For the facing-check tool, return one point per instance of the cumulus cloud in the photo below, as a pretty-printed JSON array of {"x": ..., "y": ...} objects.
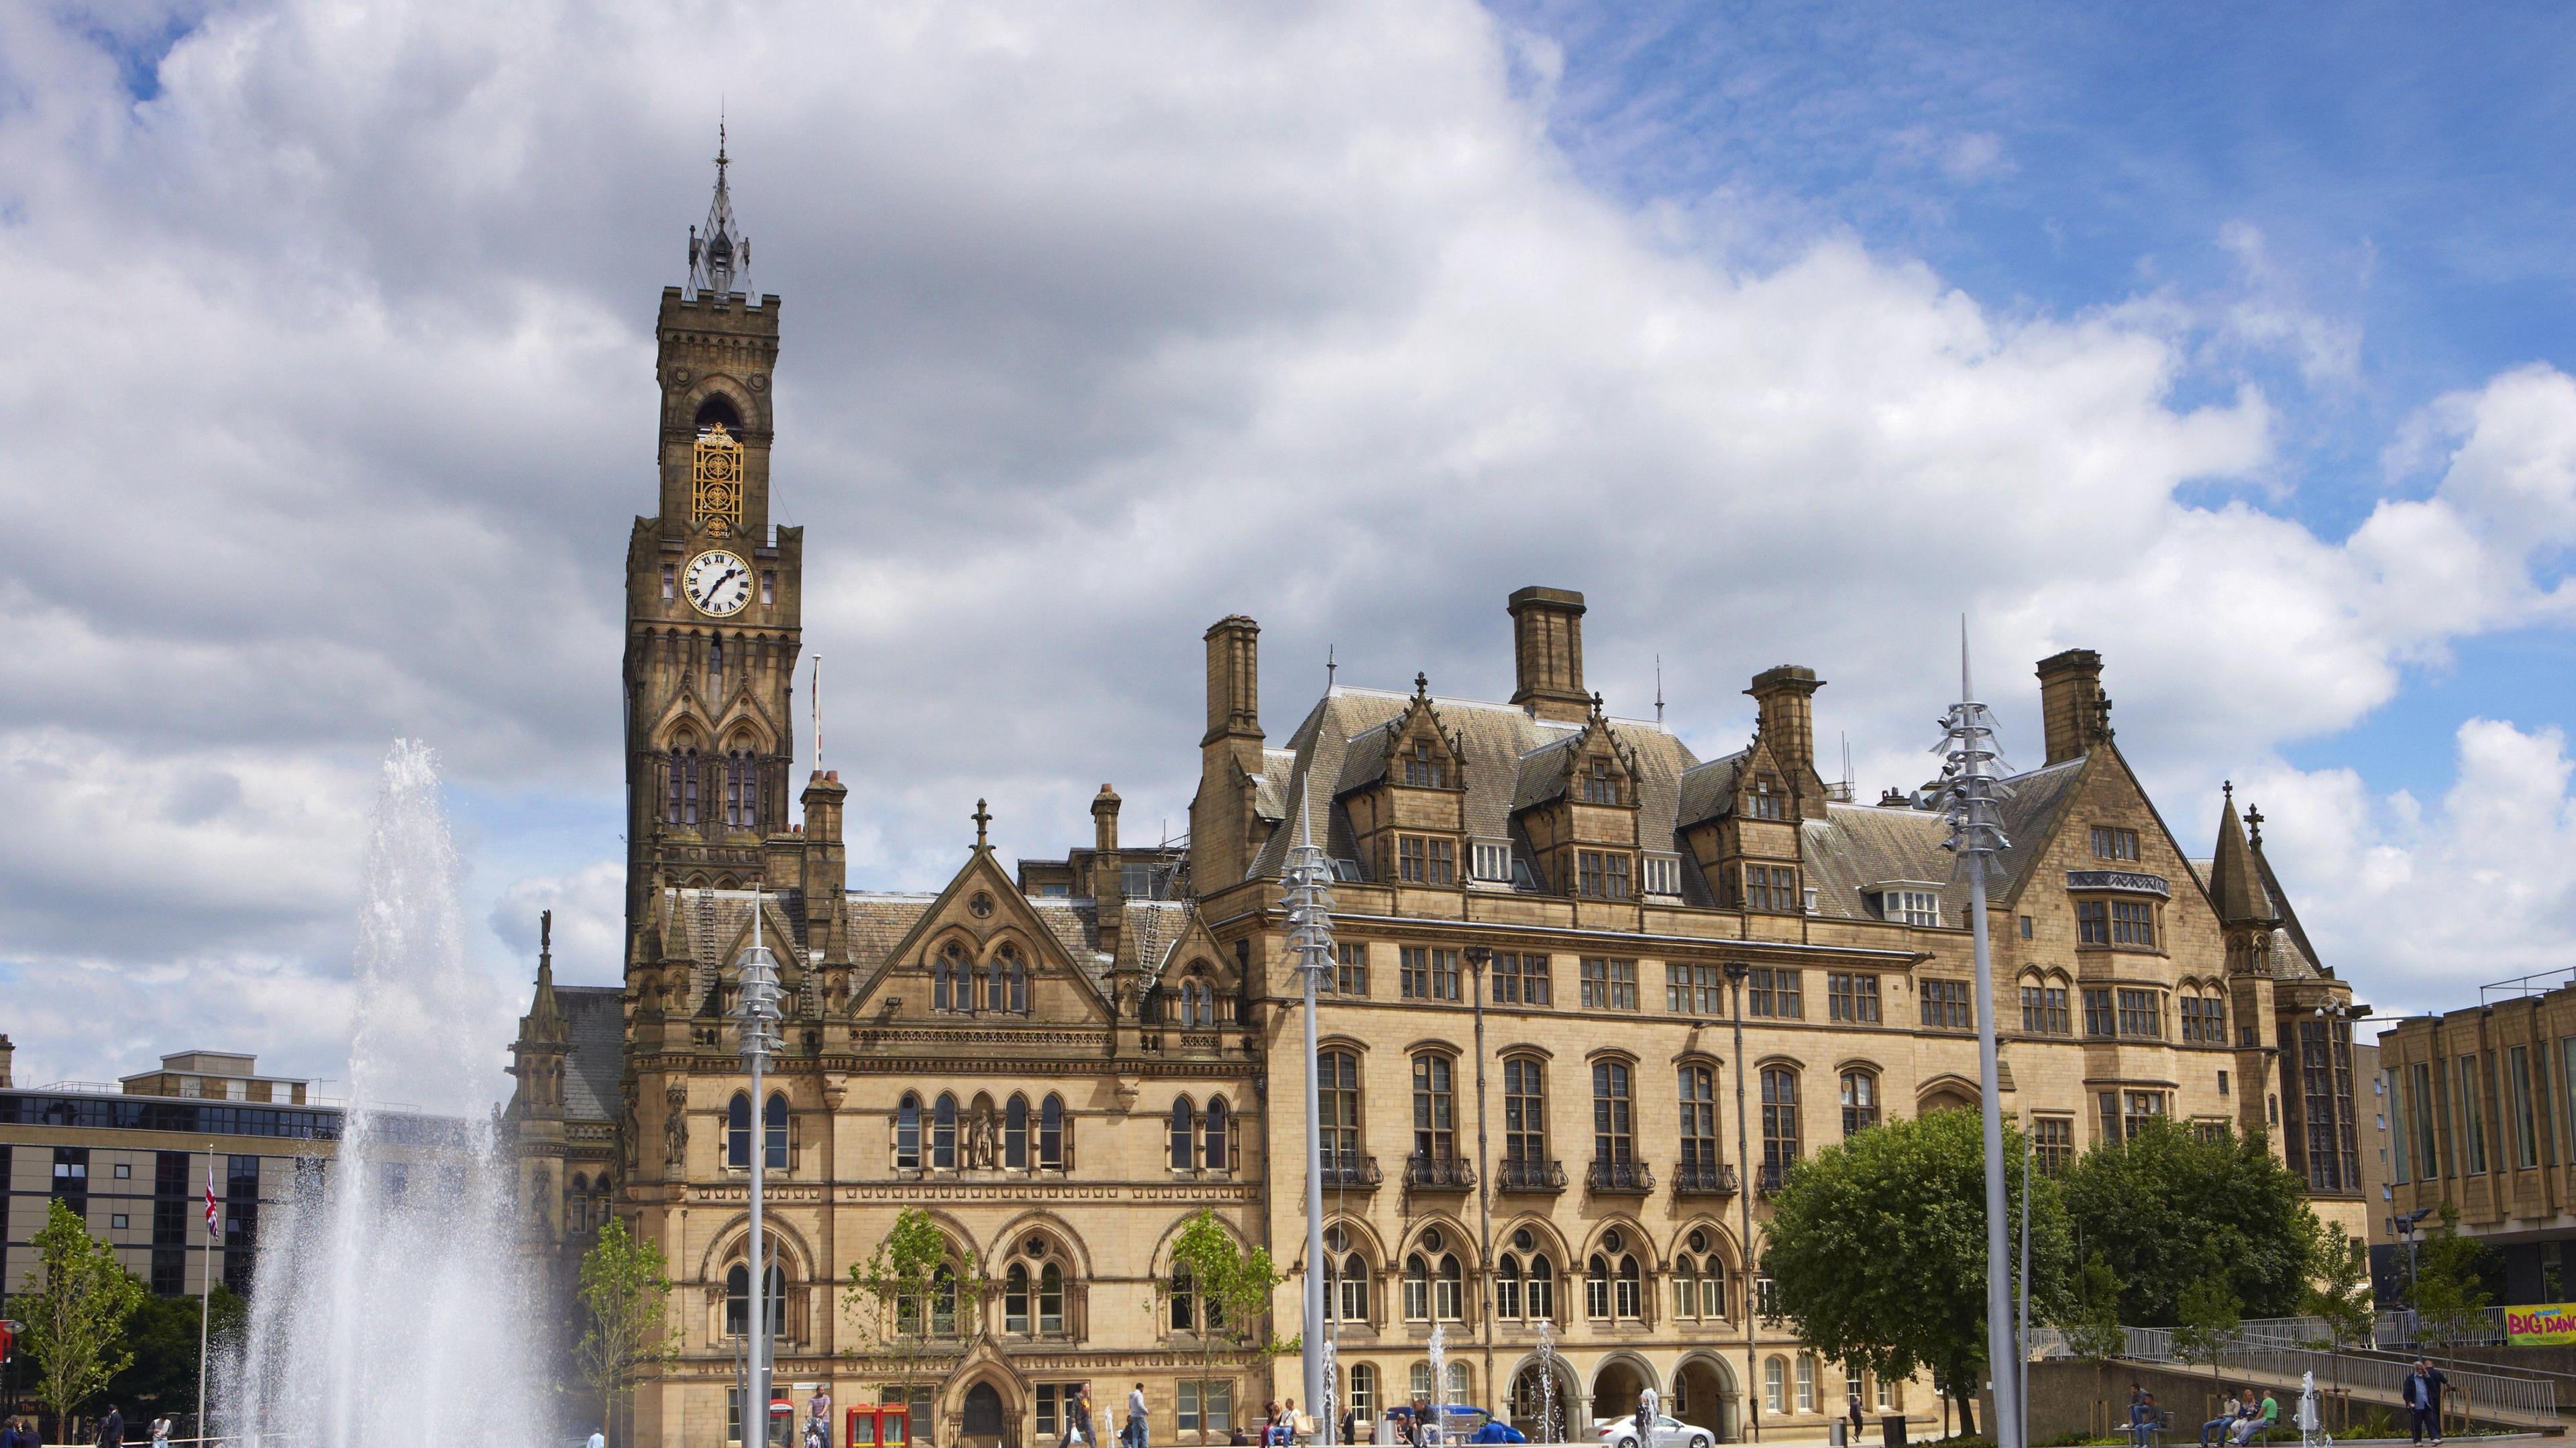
[{"x": 1098, "y": 326}]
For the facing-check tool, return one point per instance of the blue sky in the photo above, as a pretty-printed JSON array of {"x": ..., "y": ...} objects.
[{"x": 2404, "y": 165}]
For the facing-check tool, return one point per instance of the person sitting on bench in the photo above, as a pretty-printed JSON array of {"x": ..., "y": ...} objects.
[
  {"x": 2230, "y": 1415},
  {"x": 2263, "y": 1422}
]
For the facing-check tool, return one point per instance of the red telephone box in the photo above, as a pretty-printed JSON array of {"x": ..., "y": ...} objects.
[{"x": 889, "y": 1426}]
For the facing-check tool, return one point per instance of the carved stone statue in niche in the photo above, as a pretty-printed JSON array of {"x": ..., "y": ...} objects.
[
  {"x": 627, "y": 1128},
  {"x": 675, "y": 1124},
  {"x": 979, "y": 1139},
  {"x": 541, "y": 1190}
]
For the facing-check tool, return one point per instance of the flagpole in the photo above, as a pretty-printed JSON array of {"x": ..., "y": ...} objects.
[{"x": 205, "y": 1291}]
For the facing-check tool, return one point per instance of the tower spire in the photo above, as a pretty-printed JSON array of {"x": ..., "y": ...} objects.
[{"x": 718, "y": 251}]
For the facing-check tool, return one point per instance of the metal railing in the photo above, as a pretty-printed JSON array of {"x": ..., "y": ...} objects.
[
  {"x": 1704, "y": 1179},
  {"x": 2401, "y": 1328},
  {"x": 1529, "y": 1174},
  {"x": 1449, "y": 1173},
  {"x": 1350, "y": 1170},
  {"x": 1607, "y": 1175},
  {"x": 2501, "y": 1397}
]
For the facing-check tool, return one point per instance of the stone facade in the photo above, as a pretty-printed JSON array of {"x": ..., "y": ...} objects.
[{"x": 1593, "y": 995}]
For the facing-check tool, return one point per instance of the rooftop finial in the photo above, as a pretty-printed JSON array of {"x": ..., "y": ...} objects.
[
  {"x": 718, "y": 251},
  {"x": 2254, "y": 826},
  {"x": 983, "y": 818},
  {"x": 1330, "y": 668},
  {"x": 1659, "y": 688},
  {"x": 1421, "y": 685}
]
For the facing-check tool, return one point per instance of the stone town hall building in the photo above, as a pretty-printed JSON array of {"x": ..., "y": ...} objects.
[{"x": 1534, "y": 1111}]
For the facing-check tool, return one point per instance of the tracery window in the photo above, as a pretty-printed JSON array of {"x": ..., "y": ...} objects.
[
  {"x": 680, "y": 786},
  {"x": 742, "y": 790}
]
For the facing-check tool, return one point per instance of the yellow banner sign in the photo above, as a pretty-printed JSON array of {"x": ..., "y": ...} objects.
[{"x": 2555, "y": 1322}]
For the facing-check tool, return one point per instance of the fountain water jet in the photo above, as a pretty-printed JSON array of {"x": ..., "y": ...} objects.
[{"x": 391, "y": 1297}]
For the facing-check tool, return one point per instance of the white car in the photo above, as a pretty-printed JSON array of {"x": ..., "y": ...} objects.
[{"x": 1670, "y": 1432}]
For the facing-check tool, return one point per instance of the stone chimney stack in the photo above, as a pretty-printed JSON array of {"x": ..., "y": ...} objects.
[
  {"x": 2072, "y": 707},
  {"x": 1547, "y": 653},
  {"x": 1224, "y": 822},
  {"x": 1108, "y": 881},
  {"x": 6, "y": 1051},
  {"x": 1785, "y": 698}
]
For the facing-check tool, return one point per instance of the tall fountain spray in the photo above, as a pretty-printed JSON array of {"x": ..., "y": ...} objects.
[
  {"x": 1547, "y": 1425},
  {"x": 391, "y": 1295}
]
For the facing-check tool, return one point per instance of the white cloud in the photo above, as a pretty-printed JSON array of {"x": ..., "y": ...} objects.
[
  {"x": 2416, "y": 905},
  {"x": 1098, "y": 325}
]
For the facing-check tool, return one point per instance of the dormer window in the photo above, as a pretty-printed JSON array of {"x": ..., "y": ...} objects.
[
  {"x": 1768, "y": 801},
  {"x": 1493, "y": 860},
  {"x": 1426, "y": 860},
  {"x": 1601, "y": 783},
  {"x": 1909, "y": 906},
  {"x": 1424, "y": 768}
]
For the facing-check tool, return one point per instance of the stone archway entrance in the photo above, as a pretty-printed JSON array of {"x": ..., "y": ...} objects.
[
  {"x": 1615, "y": 1389},
  {"x": 981, "y": 1423},
  {"x": 1703, "y": 1396},
  {"x": 1532, "y": 1412}
]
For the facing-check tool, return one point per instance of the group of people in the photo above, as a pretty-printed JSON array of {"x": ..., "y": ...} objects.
[
  {"x": 1078, "y": 1429},
  {"x": 21, "y": 1432},
  {"x": 2240, "y": 1422}
]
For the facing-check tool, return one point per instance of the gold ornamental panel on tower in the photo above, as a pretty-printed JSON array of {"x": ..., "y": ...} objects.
[{"x": 715, "y": 496}]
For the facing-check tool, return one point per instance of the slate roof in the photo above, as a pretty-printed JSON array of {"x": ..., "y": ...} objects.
[
  {"x": 1496, "y": 744},
  {"x": 596, "y": 1015}
]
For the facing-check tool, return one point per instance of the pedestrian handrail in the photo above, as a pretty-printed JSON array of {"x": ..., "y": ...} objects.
[
  {"x": 2401, "y": 1327},
  {"x": 2494, "y": 1396}
]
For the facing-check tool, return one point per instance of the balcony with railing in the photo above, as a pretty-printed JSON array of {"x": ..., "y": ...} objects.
[
  {"x": 1439, "y": 1173},
  {"x": 1630, "y": 1178},
  {"x": 1350, "y": 1171},
  {"x": 1529, "y": 1174},
  {"x": 1704, "y": 1179},
  {"x": 1768, "y": 1177}
]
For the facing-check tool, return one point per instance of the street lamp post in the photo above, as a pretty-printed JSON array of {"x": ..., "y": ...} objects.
[
  {"x": 1971, "y": 792},
  {"x": 1735, "y": 973},
  {"x": 758, "y": 1013},
  {"x": 1310, "y": 937},
  {"x": 1478, "y": 957}
]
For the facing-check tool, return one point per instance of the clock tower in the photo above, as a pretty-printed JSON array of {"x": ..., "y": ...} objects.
[{"x": 713, "y": 592}]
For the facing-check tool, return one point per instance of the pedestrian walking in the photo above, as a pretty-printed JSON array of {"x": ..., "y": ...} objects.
[
  {"x": 1134, "y": 1436},
  {"x": 161, "y": 1431},
  {"x": 598, "y": 1439},
  {"x": 1852, "y": 1406},
  {"x": 2422, "y": 1395},
  {"x": 1077, "y": 1422},
  {"x": 111, "y": 1429}
]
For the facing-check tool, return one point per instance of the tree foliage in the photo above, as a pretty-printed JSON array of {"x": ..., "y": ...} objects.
[
  {"x": 626, "y": 1290},
  {"x": 162, "y": 1332},
  {"x": 2169, "y": 1204},
  {"x": 1877, "y": 1248},
  {"x": 2209, "y": 1315},
  {"x": 1228, "y": 1288},
  {"x": 2340, "y": 1299},
  {"x": 2449, "y": 1293},
  {"x": 2089, "y": 1318},
  {"x": 75, "y": 1306},
  {"x": 917, "y": 1287}
]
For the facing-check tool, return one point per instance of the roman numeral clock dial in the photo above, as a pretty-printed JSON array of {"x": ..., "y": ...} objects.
[{"x": 717, "y": 583}]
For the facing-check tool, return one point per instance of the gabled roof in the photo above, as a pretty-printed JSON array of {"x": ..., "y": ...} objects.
[
  {"x": 2288, "y": 917},
  {"x": 1493, "y": 741},
  {"x": 1708, "y": 790}
]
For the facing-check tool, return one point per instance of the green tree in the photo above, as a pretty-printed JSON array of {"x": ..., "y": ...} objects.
[
  {"x": 2089, "y": 1318},
  {"x": 162, "y": 1331},
  {"x": 626, "y": 1289},
  {"x": 2449, "y": 1293},
  {"x": 2209, "y": 1318},
  {"x": 2170, "y": 1201},
  {"x": 1877, "y": 1249},
  {"x": 76, "y": 1303},
  {"x": 2340, "y": 1299},
  {"x": 914, "y": 1292},
  {"x": 1221, "y": 1293}
]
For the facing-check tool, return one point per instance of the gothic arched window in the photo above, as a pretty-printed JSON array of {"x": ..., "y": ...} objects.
[
  {"x": 742, "y": 789},
  {"x": 1015, "y": 1133},
  {"x": 943, "y": 1132},
  {"x": 680, "y": 786},
  {"x": 738, "y": 1132},
  {"x": 1184, "y": 1128},
  {"x": 774, "y": 1132},
  {"x": 907, "y": 1133},
  {"x": 997, "y": 990},
  {"x": 1019, "y": 970},
  {"x": 1051, "y": 1133},
  {"x": 715, "y": 665},
  {"x": 1212, "y": 1151}
]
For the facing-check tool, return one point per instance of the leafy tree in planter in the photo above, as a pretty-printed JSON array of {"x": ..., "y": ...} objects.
[
  {"x": 2449, "y": 1293},
  {"x": 2211, "y": 1316},
  {"x": 1221, "y": 1293},
  {"x": 2090, "y": 1320},
  {"x": 1877, "y": 1249},
  {"x": 2340, "y": 1299},
  {"x": 626, "y": 1289},
  {"x": 919, "y": 1290}
]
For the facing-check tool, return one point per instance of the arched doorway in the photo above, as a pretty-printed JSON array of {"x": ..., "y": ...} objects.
[
  {"x": 1703, "y": 1396},
  {"x": 1616, "y": 1388},
  {"x": 1530, "y": 1407},
  {"x": 981, "y": 1426}
]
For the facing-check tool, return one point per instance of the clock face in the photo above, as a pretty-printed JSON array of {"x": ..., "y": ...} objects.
[{"x": 718, "y": 583}]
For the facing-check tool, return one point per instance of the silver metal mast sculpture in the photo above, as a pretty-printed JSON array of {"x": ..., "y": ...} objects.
[
  {"x": 1310, "y": 935},
  {"x": 1971, "y": 794},
  {"x": 758, "y": 1012}
]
